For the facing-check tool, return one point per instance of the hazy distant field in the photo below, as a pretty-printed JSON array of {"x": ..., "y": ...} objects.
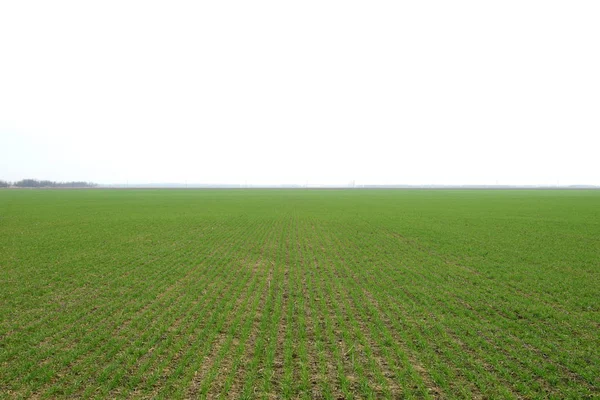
[{"x": 299, "y": 293}]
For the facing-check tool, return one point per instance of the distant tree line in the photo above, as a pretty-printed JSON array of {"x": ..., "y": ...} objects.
[{"x": 34, "y": 183}]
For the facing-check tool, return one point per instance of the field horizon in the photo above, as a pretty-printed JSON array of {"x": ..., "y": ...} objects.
[{"x": 289, "y": 293}]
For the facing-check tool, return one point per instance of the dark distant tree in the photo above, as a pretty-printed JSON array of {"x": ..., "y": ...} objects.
[
  {"x": 27, "y": 183},
  {"x": 76, "y": 184},
  {"x": 4, "y": 183},
  {"x": 33, "y": 183}
]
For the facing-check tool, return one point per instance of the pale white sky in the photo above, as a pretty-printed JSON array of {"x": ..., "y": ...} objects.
[{"x": 416, "y": 92}]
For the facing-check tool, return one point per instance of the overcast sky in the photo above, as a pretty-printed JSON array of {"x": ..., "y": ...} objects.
[{"x": 415, "y": 92}]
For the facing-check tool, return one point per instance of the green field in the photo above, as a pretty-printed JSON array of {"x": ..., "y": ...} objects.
[{"x": 299, "y": 294}]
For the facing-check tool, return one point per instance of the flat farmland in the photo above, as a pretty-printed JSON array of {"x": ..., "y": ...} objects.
[{"x": 299, "y": 294}]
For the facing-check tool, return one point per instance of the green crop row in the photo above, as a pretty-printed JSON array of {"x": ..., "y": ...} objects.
[{"x": 299, "y": 294}]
